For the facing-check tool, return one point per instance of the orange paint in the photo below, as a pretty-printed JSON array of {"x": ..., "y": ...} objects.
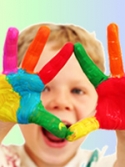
[
  {"x": 114, "y": 49},
  {"x": 35, "y": 49}
]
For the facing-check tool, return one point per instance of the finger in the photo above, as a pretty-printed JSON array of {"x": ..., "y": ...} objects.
[
  {"x": 115, "y": 55},
  {"x": 35, "y": 49},
  {"x": 10, "y": 51},
  {"x": 49, "y": 71},
  {"x": 48, "y": 121},
  {"x": 94, "y": 74},
  {"x": 82, "y": 128}
]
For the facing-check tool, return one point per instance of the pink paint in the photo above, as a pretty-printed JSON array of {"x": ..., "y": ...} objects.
[{"x": 10, "y": 51}]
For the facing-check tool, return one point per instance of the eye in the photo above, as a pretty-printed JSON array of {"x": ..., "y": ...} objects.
[
  {"x": 46, "y": 89},
  {"x": 77, "y": 91}
]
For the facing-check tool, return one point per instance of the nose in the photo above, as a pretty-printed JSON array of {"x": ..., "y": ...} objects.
[{"x": 60, "y": 101}]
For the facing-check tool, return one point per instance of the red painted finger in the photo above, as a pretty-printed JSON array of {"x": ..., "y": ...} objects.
[
  {"x": 49, "y": 71},
  {"x": 10, "y": 51},
  {"x": 114, "y": 49},
  {"x": 35, "y": 49}
]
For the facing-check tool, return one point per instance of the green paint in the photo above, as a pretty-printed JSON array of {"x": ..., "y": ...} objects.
[
  {"x": 94, "y": 74},
  {"x": 48, "y": 121}
]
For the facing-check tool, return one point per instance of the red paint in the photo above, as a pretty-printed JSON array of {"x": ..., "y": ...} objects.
[
  {"x": 111, "y": 104},
  {"x": 56, "y": 63}
]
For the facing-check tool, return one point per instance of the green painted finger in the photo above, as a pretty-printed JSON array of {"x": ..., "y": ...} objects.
[
  {"x": 49, "y": 121},
  {"x": 94, "y": 74}
]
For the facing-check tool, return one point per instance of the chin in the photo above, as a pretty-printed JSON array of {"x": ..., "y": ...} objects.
[
  {"x": 56, "y": 160},
  {"x": 45, "y": 148}
]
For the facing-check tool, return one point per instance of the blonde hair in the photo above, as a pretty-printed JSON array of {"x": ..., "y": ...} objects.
[{"x": 60, "y": 34}]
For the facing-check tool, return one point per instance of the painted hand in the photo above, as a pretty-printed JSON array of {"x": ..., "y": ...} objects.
[
  {"x": 111, "y": 90},
  {"x": 20, "y": 88}
]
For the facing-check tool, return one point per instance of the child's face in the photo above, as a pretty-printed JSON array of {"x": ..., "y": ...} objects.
[{"x": 71, "y": 97}]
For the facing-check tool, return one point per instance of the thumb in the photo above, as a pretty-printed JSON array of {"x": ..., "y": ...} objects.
[{"x": 82, "y": 128}]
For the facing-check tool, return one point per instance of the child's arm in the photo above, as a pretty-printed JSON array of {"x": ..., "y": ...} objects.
[
  {"x": 20, "y": 89},
  {"x": 111, "y": 95}
]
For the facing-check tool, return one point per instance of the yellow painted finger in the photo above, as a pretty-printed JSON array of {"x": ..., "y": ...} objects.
[{"x": 82, "y": 128}]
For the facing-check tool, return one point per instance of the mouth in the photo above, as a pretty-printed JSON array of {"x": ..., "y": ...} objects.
[{"x": 53, "y": 141}]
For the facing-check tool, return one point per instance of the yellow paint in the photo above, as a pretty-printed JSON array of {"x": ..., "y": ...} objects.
[
  {"x": 61, "y": 125},
  {"x": 9, "y": 101},
  {"x": 82, "y": 128}
]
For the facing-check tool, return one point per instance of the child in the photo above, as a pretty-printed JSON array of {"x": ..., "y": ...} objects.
[{"x": 67, "y": 96}]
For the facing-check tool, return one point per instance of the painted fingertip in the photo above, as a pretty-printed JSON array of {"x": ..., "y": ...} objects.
[
  {"x": 50, "y": 70},
  {"x": 112, "y": 30},
  {"x": 44, "y": 30},
  {"x": 11, "y": 36},
  {"x": 10, "y": 51},
  {"x": 40, "y": 39},
  {"x": 112, "y": 26},
  {"x": 82, "y": 128},
  {"x": 13, "y": 32}
]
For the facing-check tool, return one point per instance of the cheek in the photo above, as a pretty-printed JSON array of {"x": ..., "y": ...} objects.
[
  {"x": 92, "y": 99},
  {"x": 46, "y": 101},
  {"x": 43, "y": 99},
  {"x": 86, "y": 106}
]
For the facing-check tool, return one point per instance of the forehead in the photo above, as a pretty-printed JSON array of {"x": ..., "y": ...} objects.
[
  {"x": 71, "y": 68},
  {"x": 48, "y": 53}
]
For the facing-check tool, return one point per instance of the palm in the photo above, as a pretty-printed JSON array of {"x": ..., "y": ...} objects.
[
  {"x": 111, "y": 103},
  {"x": 20, "y": 89},
  {"x": 111, "y": 93},
  {"x": 29, "y": 87}
]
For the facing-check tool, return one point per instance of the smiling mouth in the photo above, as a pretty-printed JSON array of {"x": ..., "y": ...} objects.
[{"x": 53, "y": 139}]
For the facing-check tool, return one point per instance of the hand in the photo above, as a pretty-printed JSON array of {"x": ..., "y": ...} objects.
[
  {"x": 20, "y": 89},
  {"x": 111, "y": 90}
]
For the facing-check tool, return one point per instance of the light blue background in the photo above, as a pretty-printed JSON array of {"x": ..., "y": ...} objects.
[{"x": 93, "y": 15}]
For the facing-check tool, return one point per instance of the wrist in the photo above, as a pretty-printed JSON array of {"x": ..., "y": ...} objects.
[
  {"x": 120, "y": 162},
  {"x": 5, "y": 127}
]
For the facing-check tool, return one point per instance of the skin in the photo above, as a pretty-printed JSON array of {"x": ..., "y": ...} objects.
[
  {"x": 120, "y": 149},
  {"x": 71, "y": 97},
  {"x": 14, "y": 95}
]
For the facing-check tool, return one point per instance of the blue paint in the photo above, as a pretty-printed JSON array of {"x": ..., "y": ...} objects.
[
  {"x": 31, "y": 110},
  {"x": 29, "y": 87}
]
